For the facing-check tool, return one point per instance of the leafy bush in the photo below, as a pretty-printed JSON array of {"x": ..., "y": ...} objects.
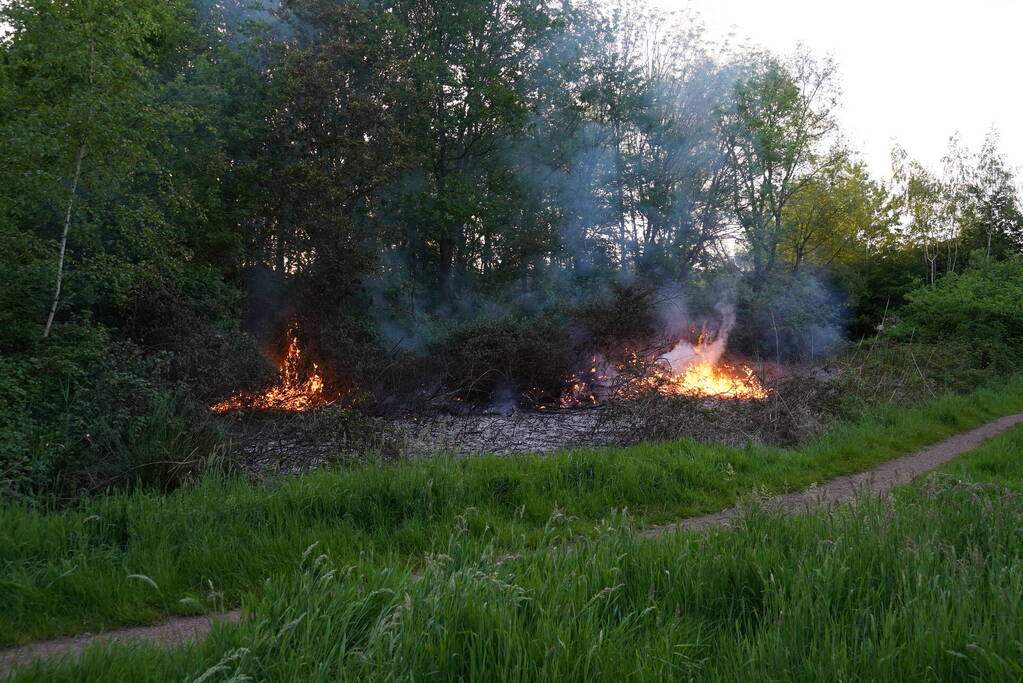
[
  {"x": 532, "y": 355},
  {"x": 83, "y": 413},
  {"x": 191, "y": 328},
  {"x": 500, "y": 358},
  {"x": 98, "y": 406},
  {"x": 979, "y": 310},
  {"x": 878, "y": 286}
]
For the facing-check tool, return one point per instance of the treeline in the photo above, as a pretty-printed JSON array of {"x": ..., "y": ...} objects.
[{"x": 185, "y": 178}]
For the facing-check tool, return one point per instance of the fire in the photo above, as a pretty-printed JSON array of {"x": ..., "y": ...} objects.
[
  {"x": 686, "y": 370},
  {"x": 712, "y": 381},
  {"x": 291, "y": 392}
]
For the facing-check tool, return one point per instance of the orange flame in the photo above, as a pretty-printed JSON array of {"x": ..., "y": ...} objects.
[
  {"x": 705, "y": 379},
  {"x": 290, "y": 393},
  {"x": 698, "y": 372}
]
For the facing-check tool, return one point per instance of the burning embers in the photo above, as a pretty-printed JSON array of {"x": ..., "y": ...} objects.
[
  {"x": 688, "y": 369},
  {"x": 693, "y": 366},
  {"x": 299, "y": 386},
  {"x": 705, "y": 379}
]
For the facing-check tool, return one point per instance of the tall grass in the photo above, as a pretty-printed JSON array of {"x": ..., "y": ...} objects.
[
  {"x": 217, "y": 542},
  {"x": 927, "y": 586}
]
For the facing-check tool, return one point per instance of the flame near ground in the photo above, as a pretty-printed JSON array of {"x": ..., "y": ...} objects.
[
  {"x": 688, "y": 369},
  {"x": 698, "y": 370},
  {"x": 294, "y": 391}
]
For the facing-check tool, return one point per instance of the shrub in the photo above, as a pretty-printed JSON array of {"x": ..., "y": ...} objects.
[
  {"x": 84, "y": 413},
  {"x": 506, "y": 357},
  {"x": 979, "y": 310},
  {"x": 531, "y": 356}
]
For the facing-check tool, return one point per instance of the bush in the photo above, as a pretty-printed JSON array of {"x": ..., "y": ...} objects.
[
  {"x": 505, "y": 358},
  {"x": 192, "y": 328},
  {"x": 84, "y": 413},
  {"x": 117, "y": 394},
  {"x": 530, "y": 357},
  {"x": 979, "y": 310}
]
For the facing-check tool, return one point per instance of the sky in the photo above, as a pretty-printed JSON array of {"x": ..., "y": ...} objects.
[{"x": 912, "y": 71}]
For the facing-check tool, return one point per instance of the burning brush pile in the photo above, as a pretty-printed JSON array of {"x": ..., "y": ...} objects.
[
  {"x": 690, "y": 363},
  {"x": 298, "y": 386},
  {"x": 680, "y": 382},
  {"x": 688, "y": 368}
]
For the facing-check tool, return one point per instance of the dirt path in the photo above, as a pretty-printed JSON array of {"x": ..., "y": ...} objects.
[
  {"x": 169, "y": 632},
  {"x": 877, "y": 480}
]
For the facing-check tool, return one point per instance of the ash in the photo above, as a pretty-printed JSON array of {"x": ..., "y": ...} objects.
[
  {"x": 271, "y": 443},
  {"x": 517, "y": 432},
  {"x": 290, "y": 444}
]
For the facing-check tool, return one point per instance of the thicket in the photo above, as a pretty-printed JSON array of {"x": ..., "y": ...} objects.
[{"x": 979, "y": 311}]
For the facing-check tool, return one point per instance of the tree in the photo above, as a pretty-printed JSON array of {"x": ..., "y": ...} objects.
[
  {"x": 834, "y": 217},
  {"x": 77, "y": 109},
  {"x": 777, "y": 136},
  {"x": 993, "y": 212},
  {"x": 920, "y": 195},
  {"x": 468, "y": 61},
  {"x": 678, "y": 175}
]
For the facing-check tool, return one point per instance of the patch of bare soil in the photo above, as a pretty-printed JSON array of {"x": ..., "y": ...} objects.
[{"x": 875, "y": 481}]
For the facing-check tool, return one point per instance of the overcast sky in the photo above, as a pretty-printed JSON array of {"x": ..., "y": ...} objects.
[{"x": 915, "y": 71}]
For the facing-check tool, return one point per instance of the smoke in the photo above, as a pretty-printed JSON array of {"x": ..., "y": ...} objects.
[
  {"x": 619, "y": 94},
  {"x": 250, "y": 21},
  {"x": 797, "y": 317},
  {"x": 711, "y": 346},
  {"x": 618, "y": 176}
]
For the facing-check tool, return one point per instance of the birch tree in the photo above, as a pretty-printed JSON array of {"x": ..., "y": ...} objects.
[{"x": 76, "y": 113}]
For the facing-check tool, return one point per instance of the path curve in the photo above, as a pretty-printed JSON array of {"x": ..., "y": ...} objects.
[{"x": 877, "y": 480}]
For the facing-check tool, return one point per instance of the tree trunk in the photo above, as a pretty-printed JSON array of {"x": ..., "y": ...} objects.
[
  {"x": 445, "y": 273},
  {"x": 63, "y": 240}
]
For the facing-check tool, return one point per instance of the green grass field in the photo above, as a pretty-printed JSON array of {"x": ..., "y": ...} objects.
[
  {"x": 926, "y": 586},
  {"x": 217, "y": 543}
]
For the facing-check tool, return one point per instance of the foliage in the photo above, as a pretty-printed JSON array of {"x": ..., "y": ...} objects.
[
  {"x": 783, "y": 115},
  {"x": 528, "y": 358},
  {"x": 877, "y": 285},
  {"x": 836, "y": 217},
  {"x": 980, "y": 309},
  {"x": 91, "y": 117},
  {"x": 502, "y": 359},
  {"x": 83, "y": 415}
]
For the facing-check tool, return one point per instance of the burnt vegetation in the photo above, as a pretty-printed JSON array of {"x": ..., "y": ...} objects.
[{"x": 426, "y": 223}]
